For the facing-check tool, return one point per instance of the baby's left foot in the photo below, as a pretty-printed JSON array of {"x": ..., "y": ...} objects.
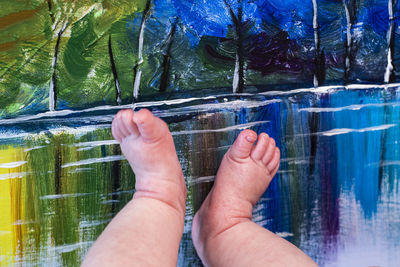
[{"x": 244, "y": 175}]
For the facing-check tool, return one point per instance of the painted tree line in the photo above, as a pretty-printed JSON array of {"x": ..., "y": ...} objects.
[{"x": 252, "y": 39}]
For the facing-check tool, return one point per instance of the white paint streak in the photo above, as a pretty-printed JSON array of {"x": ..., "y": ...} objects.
[
  {"x": 90, "y": 224},
  {"x": 78, "y": 170},
  {"x": 71, "y": 247},
  {"x": 76, "y": 131},
  {"x": 284, "y": 234},
  {"x": 136, "y": 86},
  {"x": 199, "y": 180},
  {"x": 96, "y": 143},
  {"x": 51, "y": 95},
  {"x": 390, "y": 7},
  {"x": 348, "y": 35},
  {"x": 119, "y": 100},
  {"x": 319, "y": 90},
  {"x": 93, "y": 161},
  {"x": 390, "y": 163},
  {"x": 33, "y": 148},
  {"x": 340, "y": 131},
  {"x": 351, "y": 107},
  {"x": 235, "y": 84},
  {"x": 48, "y": 114},
  {"x": 316, "y": 40},
  {"x": 315, "y": 14},
  {"x": 220, "y": 130},
  {"x": 66, "y": 196},
  {"x": 234, "y": 105},
  {"x": 13, "y": 175},
  {"x": 4, "y": 233},
  {"x": 138, "y": 76},
  {"x": 389, "y": 67},
  {"x": 53, "y": 66},
  {"x": 329, "y": 89},
  {"x": 11, "y": 165}
]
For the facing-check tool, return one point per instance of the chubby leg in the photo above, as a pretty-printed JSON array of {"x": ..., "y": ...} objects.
[
  {"x": 223, "y": 233},
  {"x": 148, "y": 230}
]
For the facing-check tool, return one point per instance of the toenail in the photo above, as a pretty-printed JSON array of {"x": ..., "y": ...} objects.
[
  {"x": 272, "y": 141},
  {"x": 251, "y": 138}
]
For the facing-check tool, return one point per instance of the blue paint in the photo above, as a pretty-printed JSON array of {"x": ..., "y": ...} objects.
[
  {"x": 377, "y": 15},
  {"x": 293, "y": 16},
  {"x": 213, "y": 18}
]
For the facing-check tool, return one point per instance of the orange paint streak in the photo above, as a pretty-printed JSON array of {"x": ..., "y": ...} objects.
[
  {"x": 7, "y": 46},
  {"x": 16, "y": 17}
]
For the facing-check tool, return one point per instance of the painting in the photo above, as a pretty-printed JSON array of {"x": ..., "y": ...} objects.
[{"x": 319, "y": 76}]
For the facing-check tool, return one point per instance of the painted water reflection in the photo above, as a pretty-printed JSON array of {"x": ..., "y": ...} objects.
[{"x": 336, "y": 195}]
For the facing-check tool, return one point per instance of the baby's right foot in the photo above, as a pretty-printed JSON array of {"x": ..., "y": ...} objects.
[
  {"x": 243, "y": 176},
  {"x": 147, "y": 144}
]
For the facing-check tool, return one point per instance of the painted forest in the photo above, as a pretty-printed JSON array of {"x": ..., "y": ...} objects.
[{"x": 73, "y": 54}]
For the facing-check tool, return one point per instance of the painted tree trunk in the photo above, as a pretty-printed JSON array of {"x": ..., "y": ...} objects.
[
  {"x": 167, "y": 59},
  {"x": 50, "y": 6},
  {"x": 137, "y": 70},
  {"x": 239, "y": 72},
  {"x": 114, "y": 72},
  {"x": 350, "y": 7},
  {"x": 390, "y": 75},
  {"x": 319, "y": 72},
  {"x": 347, "y": 45},
  {"x": 53, "y": 81}
]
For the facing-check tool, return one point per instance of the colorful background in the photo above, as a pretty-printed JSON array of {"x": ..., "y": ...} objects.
[{"x": 209, "y": 69}]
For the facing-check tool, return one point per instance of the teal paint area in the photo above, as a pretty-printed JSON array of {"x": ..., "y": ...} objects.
[{"x": 336, "y": 195}]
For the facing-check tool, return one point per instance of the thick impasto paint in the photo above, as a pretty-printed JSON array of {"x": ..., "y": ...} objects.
[{"x": 210, "y": 69}]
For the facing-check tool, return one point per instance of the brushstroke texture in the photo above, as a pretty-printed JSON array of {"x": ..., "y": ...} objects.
[
  {"x": 114, "y": 72},
  {"x": 51, "y": 53},
  {"x": 137, "y": 71},
  {"x": 333, "y": 196}
]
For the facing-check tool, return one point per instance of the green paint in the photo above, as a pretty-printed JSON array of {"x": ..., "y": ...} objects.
[{"x": 50, "y": 225}]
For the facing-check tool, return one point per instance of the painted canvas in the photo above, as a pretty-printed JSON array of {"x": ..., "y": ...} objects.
[{"x": 316, "y": 75}]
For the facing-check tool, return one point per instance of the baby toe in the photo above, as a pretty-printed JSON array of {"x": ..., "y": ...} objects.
[
  {"x": 115, "y": 129},
  {"x": 260, "y": 148},
  {"x": 273, "y": 165},
  {"x": 270, "y": 152}
]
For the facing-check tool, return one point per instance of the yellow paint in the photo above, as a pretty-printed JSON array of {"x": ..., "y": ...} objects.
[{"x": 9, "y": 238}]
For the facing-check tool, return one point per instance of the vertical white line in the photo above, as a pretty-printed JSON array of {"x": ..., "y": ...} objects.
[
  {"x": 138, "y": 76},
  {"x": 316, "y": 40},
  {"x": 236, "y": 75},
  {"x": 389, "y": 67},
  {"x": 53, "y": 66}
]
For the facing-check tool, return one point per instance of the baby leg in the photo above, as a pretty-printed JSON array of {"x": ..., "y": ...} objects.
[
  {"x": 223, "y": 233},
  {"x": 148, "y": 230}
]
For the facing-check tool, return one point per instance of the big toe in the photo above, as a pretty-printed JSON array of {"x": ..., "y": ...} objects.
[
  {"x": 123, "y": 125},
  {"x": 150, "y": 127},
  {"x": 243, "y": 144}
]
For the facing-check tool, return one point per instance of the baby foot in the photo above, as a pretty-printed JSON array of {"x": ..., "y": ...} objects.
[
  {"x": 243, "y": 176},
  {"x": 149, "y": 148}
]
